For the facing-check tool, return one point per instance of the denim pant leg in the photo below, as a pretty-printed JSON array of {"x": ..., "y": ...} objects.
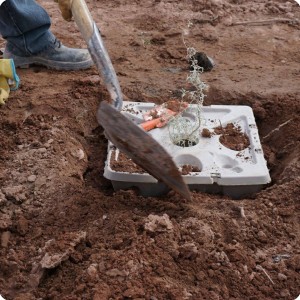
[{"x": 25, "y": 25}]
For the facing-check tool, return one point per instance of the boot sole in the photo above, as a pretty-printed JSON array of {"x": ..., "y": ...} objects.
[{"x": 26, "y": 62}]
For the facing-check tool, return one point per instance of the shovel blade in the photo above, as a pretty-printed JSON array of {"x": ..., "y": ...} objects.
[{"x": 141, "y": 148}]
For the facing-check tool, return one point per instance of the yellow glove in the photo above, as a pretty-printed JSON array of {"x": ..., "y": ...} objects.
[
  {"x": 65, "y": 8},
  {"x": 9, "y": 79}
]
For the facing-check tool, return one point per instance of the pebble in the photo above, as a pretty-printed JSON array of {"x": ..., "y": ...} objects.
[
  {"x": 93, "y": 272},
  {"x": 282, "y": 277},
  {"x": 285, "y": 293},
  {"x": 227, "y": 21},
  {"x": 210, "y": 273},
  {"x": 31, "y": 178},
  {"x": 262, "y": 236},
  {"x": 42, "y": 150},
  {"x": 5, "y": 239}
]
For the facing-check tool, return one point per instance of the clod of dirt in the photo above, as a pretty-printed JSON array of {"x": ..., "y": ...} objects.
[
  {"x": 187, "y": 169},
  {"x": 58, "y": 251},
  {"x": 155, "y": 223},
  {"x": 188, "y": 250},
  {"x": 206, "y": 133},
  {"x": 15, "y": 193},
  {"x": 232, "y": 137},
  {"x": 203, "y": 61}
]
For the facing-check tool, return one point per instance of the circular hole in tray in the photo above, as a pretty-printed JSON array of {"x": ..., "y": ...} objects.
[
  {"x": 232, "y": 137},
  {"x": 225, "y": 161},
  {"x": 183, "y": 132},
  {"x": 188, "y": 163}
]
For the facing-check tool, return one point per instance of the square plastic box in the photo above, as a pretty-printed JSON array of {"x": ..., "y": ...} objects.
[{"x": 233, "y": 173}]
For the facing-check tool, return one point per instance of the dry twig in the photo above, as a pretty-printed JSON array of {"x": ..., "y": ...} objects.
[
  {"x": 276, "y": 129},
  {"x": 259, "y": 267}
]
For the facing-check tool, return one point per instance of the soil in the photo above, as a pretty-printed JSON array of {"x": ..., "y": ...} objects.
[
  {"x": 121, "y": 163},
  {"x": 65, "y": 233},
  {"x": 232, "y": 137},
  {"x": 188, "y": 169}
]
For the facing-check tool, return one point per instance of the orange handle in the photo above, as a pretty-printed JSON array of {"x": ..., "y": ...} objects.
[{"x": 150, "y": 124}]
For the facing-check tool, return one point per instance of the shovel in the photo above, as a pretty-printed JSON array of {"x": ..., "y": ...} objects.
[{"x": 122, "y": 132}]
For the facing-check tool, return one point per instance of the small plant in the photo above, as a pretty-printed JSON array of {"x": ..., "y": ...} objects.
[{"x": 184, "y": 131}]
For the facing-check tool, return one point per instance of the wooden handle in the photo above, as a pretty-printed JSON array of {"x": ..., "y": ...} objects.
[{"x": 83, "y": 18}]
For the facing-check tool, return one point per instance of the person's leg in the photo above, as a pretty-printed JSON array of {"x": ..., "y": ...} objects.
[{"x": 25, "y": 26}]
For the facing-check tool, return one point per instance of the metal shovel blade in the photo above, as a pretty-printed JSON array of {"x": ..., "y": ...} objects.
[
  {"x": 123, "y": 133},
  {"x": 141, "y": 148}
]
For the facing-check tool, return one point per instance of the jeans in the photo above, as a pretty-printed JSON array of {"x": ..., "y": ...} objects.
[{"x": 25, "y": 25}]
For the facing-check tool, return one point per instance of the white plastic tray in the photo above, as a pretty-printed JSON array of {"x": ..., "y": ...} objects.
[{"x": 233, "y": 173}]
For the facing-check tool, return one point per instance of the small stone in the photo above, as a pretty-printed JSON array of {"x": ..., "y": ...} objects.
[
  {"x": 262, "y": 237},
  {"x": 78, "y": 153},
  {"x": 92, "y": 271},
  {"x": 5, "y": 239},
  {"x": 227, "y": 21},
  {"x": 42, "y": 150},
  {"x": 285, "y": 293},
  {"x": 31, "y": 178},
  {"x": 282, "y": 277}
]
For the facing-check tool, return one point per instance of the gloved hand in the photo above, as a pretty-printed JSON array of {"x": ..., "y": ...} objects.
[
  {"x": 65, "y": 8},
  {"x": 9, "y": 79}
]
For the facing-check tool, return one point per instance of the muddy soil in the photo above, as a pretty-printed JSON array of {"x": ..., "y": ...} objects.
[{"x": 65, "y": 234}]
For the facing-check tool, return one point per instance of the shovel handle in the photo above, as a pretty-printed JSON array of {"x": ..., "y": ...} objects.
[
  {"x": 93, "y": 39},
  {"x": 83, "y": 19}
]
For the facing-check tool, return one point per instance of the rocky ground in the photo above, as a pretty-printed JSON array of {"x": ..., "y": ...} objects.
[{"x": 65, "y": 233}]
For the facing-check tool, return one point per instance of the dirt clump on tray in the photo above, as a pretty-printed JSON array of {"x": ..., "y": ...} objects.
[
  {"x": 66, "y": 234},
  {"x": 188, "y": 169},
  {"x": 232, "y": 137}
]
